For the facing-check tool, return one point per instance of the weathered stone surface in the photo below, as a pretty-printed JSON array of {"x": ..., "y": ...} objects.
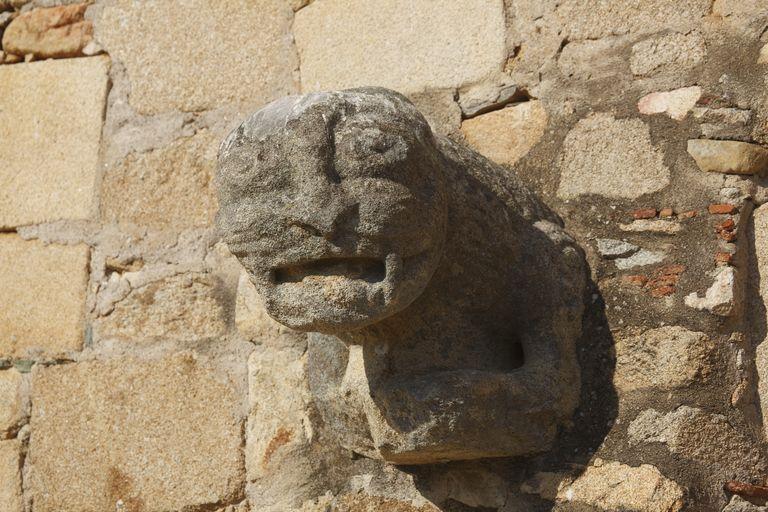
[
  {"x": 11, "y": 406},
  {"x": 739, "y": 504},
  {"x": 441, "y": 45},
  {"x": 251, "y": 318},
  {"x": 729, "y": 156},
  {"x": 365, "y": 259},
  {"x": 676, "y": 104},
  {"x": 593, "y": 59},
  {"x": 705, "y": 438},
  {"x": 440, "y": 110},
  {"x": 55, "y": 32},
  {"x": 43, "y": 300},
  {"x": 483, "y": 97},
  {"x": 155, "y": 434},
  {"x": 612, "y": 158},
  {"x": 760, "y": 216},
  {"x": 11, "y": 4},
  {"x": 666, "y": 227},
  {"x": 50, "y": 125},
  {"x": 505, "y": 136},
  {"x": 185, "y": 307},
  {"x": 668, "y": 53},
  {"x": 612, "y": 249},
  {"x": 641, "y": 258},
  {"x": 168, "y": 188},
  {"x": 719, "y": 298},
  {"x": 10, "y": 476},
  {"x": 616, "y": 486},
  {"x": 176, "y": 59},
  {"x": 364, "y": 503},
  {"x": 665, "y": 358}
]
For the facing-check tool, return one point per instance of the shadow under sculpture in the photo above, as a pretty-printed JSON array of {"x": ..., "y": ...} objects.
[{"x": 443, "y": 299}]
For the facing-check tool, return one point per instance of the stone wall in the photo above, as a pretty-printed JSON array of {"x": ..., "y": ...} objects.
[{"x": 138, "y": 371}]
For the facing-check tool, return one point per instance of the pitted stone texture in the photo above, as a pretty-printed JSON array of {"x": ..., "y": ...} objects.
[
  {"x": 55, "y": 32},
  {"x": 362, "y": 502},
  {"x": 156, "y": 434},
  {"x": 729, "y": 156},
  {"x": 183, "y": 307},
  {"x": 669, "y": 53},
  {"x": 610, "y": 157},
  {"x": 440, "y": 110},
  {"x": 664, "y": 358},
  {"x": 399, "y": 44},
  {"x": 43, "y": 299},
  {"x": 251, "y": 318},
  {"x": 10, "y": 476},
  {"x": 505, "y": 136},
  {"x": 365, "y": 252},
  {"x": 616, "y": 486},
  {"x": 706, "y": 438},
  {"x": 760, "y": 216},
  {"x": 198, "y": 55},
  {"x": 165, "y": 189},
  {"x": 50, "y": 125},
  {"x": 11, "y": 406}
]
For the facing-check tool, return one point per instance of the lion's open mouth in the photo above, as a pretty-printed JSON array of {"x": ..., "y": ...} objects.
[{"x": 371, "y": 270}]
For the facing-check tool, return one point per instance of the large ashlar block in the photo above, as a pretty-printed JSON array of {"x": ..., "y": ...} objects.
[
  {"x": 157, "y": 435},
  {"x": 50, "y": 127},
  {"x": 400, "y": 44},
  {"x": 198, "y": 54},
  {"x": 760, "y": 216},
  {"x": 43, "y": 299},
  {"x": 168, "y": 188},
  {"x": 10, "y": 476}
]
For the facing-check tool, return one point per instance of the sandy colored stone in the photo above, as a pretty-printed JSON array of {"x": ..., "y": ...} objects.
[
  {"x": 676, "y": 104},
  {"x": 760, "y": 216},
  {"x": 43, "y": 299},
  {"x": 729, "y": 156},
  {"x": 402, "y": 45},
  {"x": 50, "y": 125},
  {"x": 665, "y": 358},
  {"x": 11, "y": 407},
  {"x": 164, "y": 189},
  {"x": 200, "y": 54},
  {"x": 610, "y": 157},
  {"x": 251, "y": 318},
  {"x": 183, "y": 307},
  {"x": 718, "y": 298},
  {"x": 709, "y": 439},
  {"x": 156, "y": 434},
  {"x": 671, "y": 52},
  {"x": 505, "y": 136},
  {"x": 55, "y": 32},
  {"x": 362, "y": 502},
  {"x": 616, "y": 486},
  {"x": 10, "y": 476}
]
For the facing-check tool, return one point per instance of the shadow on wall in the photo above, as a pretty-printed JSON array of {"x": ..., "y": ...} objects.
[{"x": 501, "y": 484}]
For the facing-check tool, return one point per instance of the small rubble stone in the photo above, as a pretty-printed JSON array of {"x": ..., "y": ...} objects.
[
  {"x": 11, "y": 407},
  {"x": 723, "y": 258},
  {"x": 636, "y": 279},
  {"x": 739, "y": 504},
  {"x": 666, "y": 227},
  {"x": 666, "y": 213},
  {"x": 728, "y": 156},
  {"x": 641, "y": 258},
  {"x": 50, "y": 125},
  {"x": 726, "y": 115},
  {"x": 505, "y": 136},
  {"x": 610, "y": 157},
  {"x": 616, "y": 486},
  {"x": 10, "y": 476},
  {"x": 42, "y": 306},
  {"x": 644, "y": 213},
  {"x": 159, "y": 434},
  {"x": 719, "y": 298},
  {"x": 688, "y": 214},
  {"x": 484, "y": 97},
  {"x": 55, "y": 32},
  {"x": 762, "y": 58},
  {"x": 676, "y": 104},
  {"x": 671, "y": 52},
  {"x": 441, "y": 46},
  {"x": 610, "y": 249},
  {"x": 665, "y": 358}
]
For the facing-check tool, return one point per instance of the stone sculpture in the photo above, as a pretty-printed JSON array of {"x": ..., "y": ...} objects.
[{"x": 443, "y": 299}]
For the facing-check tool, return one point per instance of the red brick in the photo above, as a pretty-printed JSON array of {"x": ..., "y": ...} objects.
[
  {"x": 722, "y": 209},
  {"x": 644, "y": 213}
]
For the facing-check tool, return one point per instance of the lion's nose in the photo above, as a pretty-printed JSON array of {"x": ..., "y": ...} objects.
[{"x": 333, "y": 221}]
